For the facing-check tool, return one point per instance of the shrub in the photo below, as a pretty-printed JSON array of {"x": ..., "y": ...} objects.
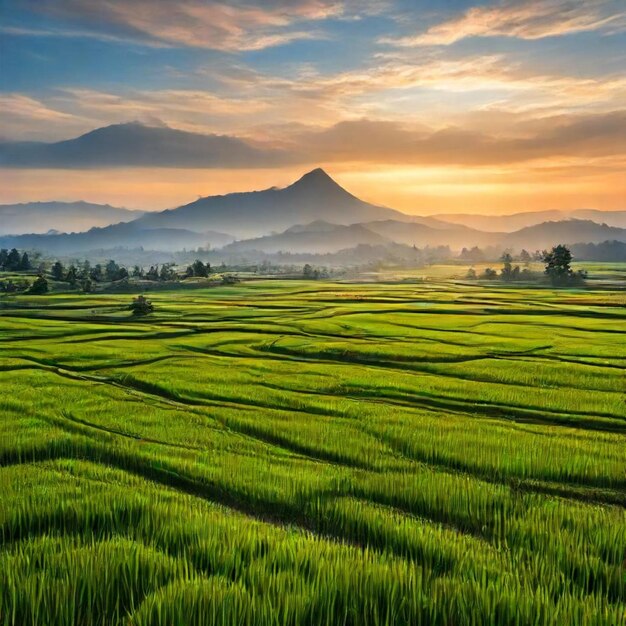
[
  {"x": 141, "y": 306},
  {"x": 39, "y": 286}
]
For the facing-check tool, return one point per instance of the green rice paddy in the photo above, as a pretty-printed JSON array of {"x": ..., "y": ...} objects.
[{"x": 303, "y": 453}]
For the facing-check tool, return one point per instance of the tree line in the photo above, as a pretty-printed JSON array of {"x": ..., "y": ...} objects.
[
  {"x": 14, "y": 261},
  {"x": 557, "y": 262},
  {"x": 84, "y": 275}
]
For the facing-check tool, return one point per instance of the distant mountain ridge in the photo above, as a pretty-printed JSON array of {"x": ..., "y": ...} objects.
[
  {"x": 127, "y": 235},
  {"x": 318, "y": 237},
  {"x": 516, "y": 221},
  {"x": 134, "y": 144},
  {"x": 312, "y": 215},
  {"x": 572, "y": 231},
  {"x": 41, "y": 217},
  {"x": 315, "y": 196},
  {"x": 322, "y": 237},
  {"x": 424, "y": 234}
]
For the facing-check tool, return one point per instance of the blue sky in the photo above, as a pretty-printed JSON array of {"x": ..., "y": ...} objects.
[{"x": 459, "y": 95}]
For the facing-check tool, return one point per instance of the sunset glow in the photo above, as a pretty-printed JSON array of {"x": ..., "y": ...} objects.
[{"x": 426, "y": 107}]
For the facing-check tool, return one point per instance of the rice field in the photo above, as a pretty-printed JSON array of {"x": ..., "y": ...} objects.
[{"x": 313, "y": 453}]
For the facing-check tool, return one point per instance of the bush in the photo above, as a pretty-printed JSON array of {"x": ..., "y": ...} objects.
[
  {"x": 141, "y": 306},
  {"x": 39, "y": 286},
  {"x": 229, "y": 279}
]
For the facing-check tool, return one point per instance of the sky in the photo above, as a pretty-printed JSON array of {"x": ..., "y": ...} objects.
[{"x": 425, "y": 106}]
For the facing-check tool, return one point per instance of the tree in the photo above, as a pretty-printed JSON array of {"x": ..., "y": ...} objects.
[
  {"x": 58, "y": 271},
  {"x": 111, "y": 271},
  {"x": 25, "y": 263},
  {"x": 471, "y": 274},
  {"x": 141, "y": 306},
  {"x": 39, "y": 286},
  {"x": 72, "y": 275},
  {"x": 13, "y": 260},
  {"x": 507, "y": 268},
  {"x": 489, "y": 273},
  {"x": 167, "y": 273},
  {"x": 475, "y": 255},
  {"x": 4, "y": 255},
  {"x": 85, "y": 270},
  {"x": 558, "y": 265},
  {"x": 307, "y": 271},
  {"x": 153, "y": 273},
  {"x": 87, "y": 285},
  {"x": 200, "y": 269},
  {"x": 525, "y": 257},
  {"x": 96, "y": 274},
  {"x": 137, "y": 271}
]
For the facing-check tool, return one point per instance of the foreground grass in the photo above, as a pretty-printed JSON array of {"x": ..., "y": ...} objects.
[{"x": 302, "y": 453}]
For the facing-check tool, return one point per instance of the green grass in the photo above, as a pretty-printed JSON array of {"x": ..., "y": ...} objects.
[{"x": 290, "y": 453}]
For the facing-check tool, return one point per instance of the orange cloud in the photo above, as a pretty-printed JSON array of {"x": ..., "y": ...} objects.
[
  {"x": 395, "y": 86},
  {"x": 585, "y": 136}
]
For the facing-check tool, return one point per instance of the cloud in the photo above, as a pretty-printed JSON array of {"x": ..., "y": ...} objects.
[
  {"x": 477, "y": 92},
  {"x": 75, "y": 110},
  {"x": 70, "y": 33},
  {"x": 432, "y": 87},
  {"x": 526, "y": 19},
  {"x": 24, "y": 117},
  {"x": 225, "y": 26},
  {"x": 585, "y": 136},
  {"x": 358, "y": 141}
]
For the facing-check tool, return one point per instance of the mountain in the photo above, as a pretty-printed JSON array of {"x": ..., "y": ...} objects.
[
  {"x": 421, "y": 235},
  {"x": 567, "y": 232},
  {"x": 317, "y": 238},
  {"x": 516, "y": 221},
  {"x": 617, "y": 219},
  {"x": 321, "y": 237},
  {"x": 41, "y": 217},
  {"x": 134, "y": 145},
  {"x": 315, "y": 196},
  {"x": 123, "y": 235},
  {"x": 313, "y": 215}
]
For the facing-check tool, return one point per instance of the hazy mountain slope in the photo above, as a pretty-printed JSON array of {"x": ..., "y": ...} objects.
[
  {"x": 433, "y": 222},
  {"x": 133, "y": 144},
  {"x": 313, "y": 197},
  {"x": 517, "y": 221},
  {"x": 567, "y": 232},
  {"x": 420, "y": 235},
  {"x": 40, "y": 217},
  {"x": 616, "y": 219},
  {"x": 128, "y": 235},
  {"x": 318, "y": 237}
]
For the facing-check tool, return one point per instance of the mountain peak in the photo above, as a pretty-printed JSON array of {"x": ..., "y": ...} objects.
[
  {"x": 317, "y": 177},
  {"x": 318, "y": 172}
]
